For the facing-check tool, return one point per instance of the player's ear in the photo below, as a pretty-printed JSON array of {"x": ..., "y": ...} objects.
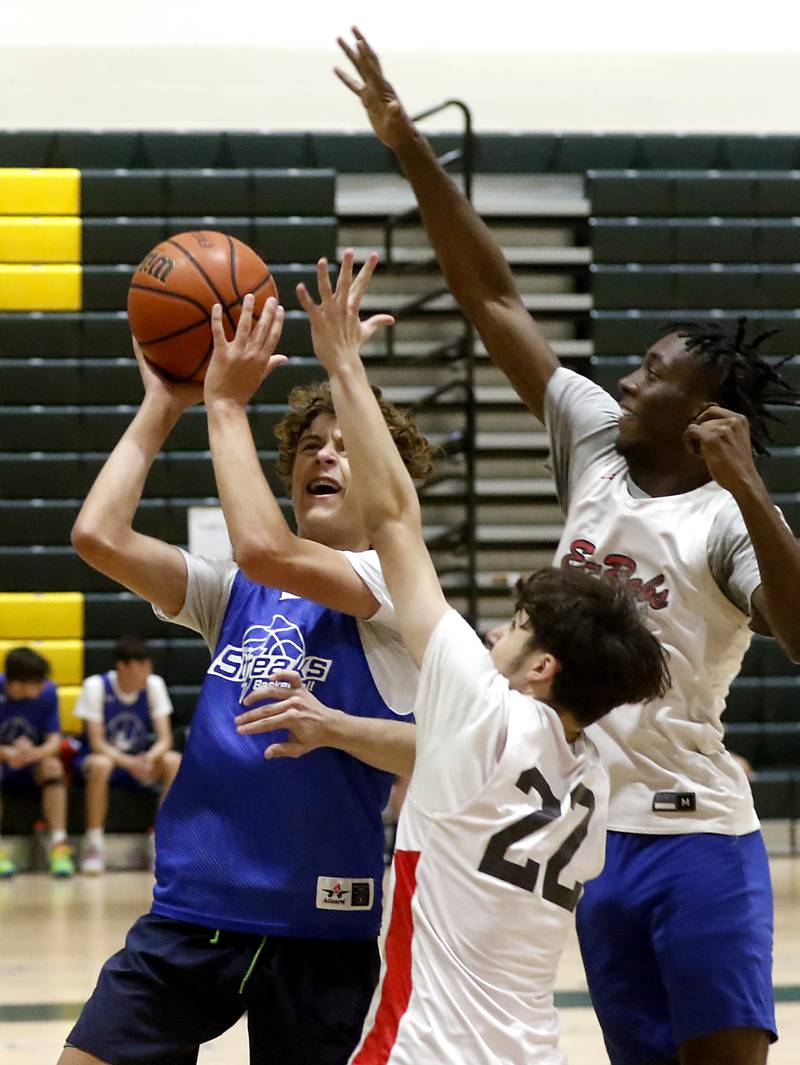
[{"x": 540, "y": 673}]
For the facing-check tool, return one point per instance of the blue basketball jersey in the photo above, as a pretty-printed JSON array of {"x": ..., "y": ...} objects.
[
  {"x": 34, "y": 718},
  {"x": 128, "y": 726},
  {"x": 289, "y": 847}
]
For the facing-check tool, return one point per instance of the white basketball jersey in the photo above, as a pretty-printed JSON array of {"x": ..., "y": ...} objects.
[
  {"x": 669, "y": 770},
  {"x": 487, "y": 873}
]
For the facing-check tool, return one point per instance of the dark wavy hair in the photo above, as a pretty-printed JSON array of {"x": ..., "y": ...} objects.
[
  {"x": 606, "y": 654},
  {"x": 25, "y": 664},
  {"x": 306, "y": 402},
  {"x": 742, "y": 379}
]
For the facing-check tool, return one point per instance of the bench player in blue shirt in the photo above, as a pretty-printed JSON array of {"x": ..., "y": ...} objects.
[
  {"x": 30, "y": 739},
  {"x": 268, "y": 873}
]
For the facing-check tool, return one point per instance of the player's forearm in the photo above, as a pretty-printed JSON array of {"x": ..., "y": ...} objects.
[
  {"x": 48, "y": 749},
  {"x": 472, "y": 261},
  {"x": 256, "y": 526},
  {"x": 778, "y": 556},
  {"x": 386, "y": 493},
  {"x": 106, "y": 517},
  {"x": 386, "y": 745}
]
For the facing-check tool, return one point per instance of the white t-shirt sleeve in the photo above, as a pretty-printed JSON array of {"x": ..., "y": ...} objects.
[
  {"x": 208, "y": 588},
  {"x": 392, "y": 668},
  {"x": 462, "y": 717},
  {"x": 368, "y": 566},
  {"x": 732, "y": 557},
  {"x": 581, "y": 420},
  {"x": 158, "y": 697},
  {"x": 89, "y": 705}
]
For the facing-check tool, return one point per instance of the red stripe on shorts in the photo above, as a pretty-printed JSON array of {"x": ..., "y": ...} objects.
[{"x": 396, "y": 986}]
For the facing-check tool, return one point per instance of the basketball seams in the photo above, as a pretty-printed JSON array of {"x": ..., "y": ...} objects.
[
  {"x": 232, "y": 250},
  {"x": 198, "y": 267},
  {"x": 203, "y": 361},
  {"x": 198, "y": 283},
  {"x": 253, "y": 290}
]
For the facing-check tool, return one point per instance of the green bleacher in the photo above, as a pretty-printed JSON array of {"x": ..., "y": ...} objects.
[{"x": 695, "y": 226}]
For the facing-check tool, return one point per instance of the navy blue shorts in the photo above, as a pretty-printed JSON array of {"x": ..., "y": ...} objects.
[
  {"x": 676, "y": 938},
  {"x": 174, "y": 986},
  {"x": 18, "y": 780}
]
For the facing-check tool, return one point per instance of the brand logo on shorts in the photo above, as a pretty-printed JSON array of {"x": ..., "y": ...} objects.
[
  {"x": 344, "y": 893},
  {"x": 265, "y": 649}
]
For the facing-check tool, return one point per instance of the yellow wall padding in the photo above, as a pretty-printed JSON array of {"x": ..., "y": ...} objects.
[
  {"x": 40, "y": 191},
  {"x": 65, "y": 657},
  {"x": 40, "y": 288},
  {"x": 41, "y": 615},
  {"x": 67, "y": 697},
  {"x": 40, "y": 240}
]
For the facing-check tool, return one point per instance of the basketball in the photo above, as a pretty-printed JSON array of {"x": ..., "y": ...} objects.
[{"x": 176, "y": 285}]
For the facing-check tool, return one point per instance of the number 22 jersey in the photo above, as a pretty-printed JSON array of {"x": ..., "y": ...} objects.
[{"x": 503, "y": 823}]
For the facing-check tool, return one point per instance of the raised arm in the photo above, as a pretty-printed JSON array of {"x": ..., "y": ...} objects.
[
  {"x": 385, "y": 492},
  {"x": 471, "y": 259},
  {"x": 103, "y": 534},
  {"x": 264, "y": 546}
]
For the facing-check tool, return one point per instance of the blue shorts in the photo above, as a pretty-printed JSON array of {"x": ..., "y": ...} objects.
[
  {"x": 676, "y": 938},
  {"x": 18, "y": 780},
  {"x": 174, "y": 986}
]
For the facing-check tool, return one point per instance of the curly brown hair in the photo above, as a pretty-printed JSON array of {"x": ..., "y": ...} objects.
[{"x": 306, "y": 402}]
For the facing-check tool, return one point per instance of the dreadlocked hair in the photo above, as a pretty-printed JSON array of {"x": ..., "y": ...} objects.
[{"x": 747, "y": 382}]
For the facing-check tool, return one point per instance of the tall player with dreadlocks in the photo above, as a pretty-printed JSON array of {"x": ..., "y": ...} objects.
[{"x": 660, "y": 493}]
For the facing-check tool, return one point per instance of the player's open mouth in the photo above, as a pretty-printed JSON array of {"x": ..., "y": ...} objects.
[{"x": 323, "y": 486}]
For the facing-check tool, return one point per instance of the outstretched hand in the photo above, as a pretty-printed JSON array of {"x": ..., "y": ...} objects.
[
  {"x": 337, "y": 332},
  {"x": 722, "y": 439},
  {"x": 292, "y": 707},
  {"x": 392, "y": 125},
  {"x": 238, "y": 366}
]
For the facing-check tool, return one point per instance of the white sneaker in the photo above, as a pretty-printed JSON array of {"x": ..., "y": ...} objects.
[{"x": 93, "y": 860}]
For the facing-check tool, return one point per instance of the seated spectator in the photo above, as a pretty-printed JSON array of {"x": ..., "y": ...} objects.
[
  {"x": 128, "y": 739},
  {"x": 30, "y": 742}
]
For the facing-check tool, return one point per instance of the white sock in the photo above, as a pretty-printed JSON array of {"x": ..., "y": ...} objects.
[
  {"x": 94, "y": 837},
  {"x": 58, "y": 835}
]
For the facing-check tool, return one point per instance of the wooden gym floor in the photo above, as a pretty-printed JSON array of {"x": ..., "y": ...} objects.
[{"x": 54, "y": 936}]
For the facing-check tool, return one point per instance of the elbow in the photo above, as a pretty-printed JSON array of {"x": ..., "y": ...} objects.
[
  {"x": 258, "y": 561},
  {"x": 91, "y": 543}
]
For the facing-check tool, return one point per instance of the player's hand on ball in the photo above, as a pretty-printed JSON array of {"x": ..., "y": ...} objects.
[
  {"x": 292, "y": 707},
  {"x": 392, "y": 125},
  {"x": 238, "y": 366},
  {"x": 337, "y": 332},
  {"x": 722, "y": 439},
  {"x": 178, "y": 395}
]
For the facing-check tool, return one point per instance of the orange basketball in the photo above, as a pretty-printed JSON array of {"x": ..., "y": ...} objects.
[{"x": 176, "y": 285}]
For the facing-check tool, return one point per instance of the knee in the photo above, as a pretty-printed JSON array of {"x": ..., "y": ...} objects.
[
  {"x": 51, "y": 770},
  {"x": 98, "y": 766}
]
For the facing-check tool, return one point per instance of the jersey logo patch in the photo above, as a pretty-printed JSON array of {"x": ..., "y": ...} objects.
[
  {"x": 677, "y": 802},
  {"x": 617, "y": 569},
  {"x": 344, "y": 893},
  {"x": 265, "y": 649}
]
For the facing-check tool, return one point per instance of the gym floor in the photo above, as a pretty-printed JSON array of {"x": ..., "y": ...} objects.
[{"x": 55, "y": 935}]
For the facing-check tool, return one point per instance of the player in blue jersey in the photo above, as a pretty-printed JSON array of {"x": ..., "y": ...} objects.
[
  {"x": 128, "y": 739},
  {"x": 30, "y": 739},
  {"x": 662, "y": 496},
  {"x": 268, "y": 873}
]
